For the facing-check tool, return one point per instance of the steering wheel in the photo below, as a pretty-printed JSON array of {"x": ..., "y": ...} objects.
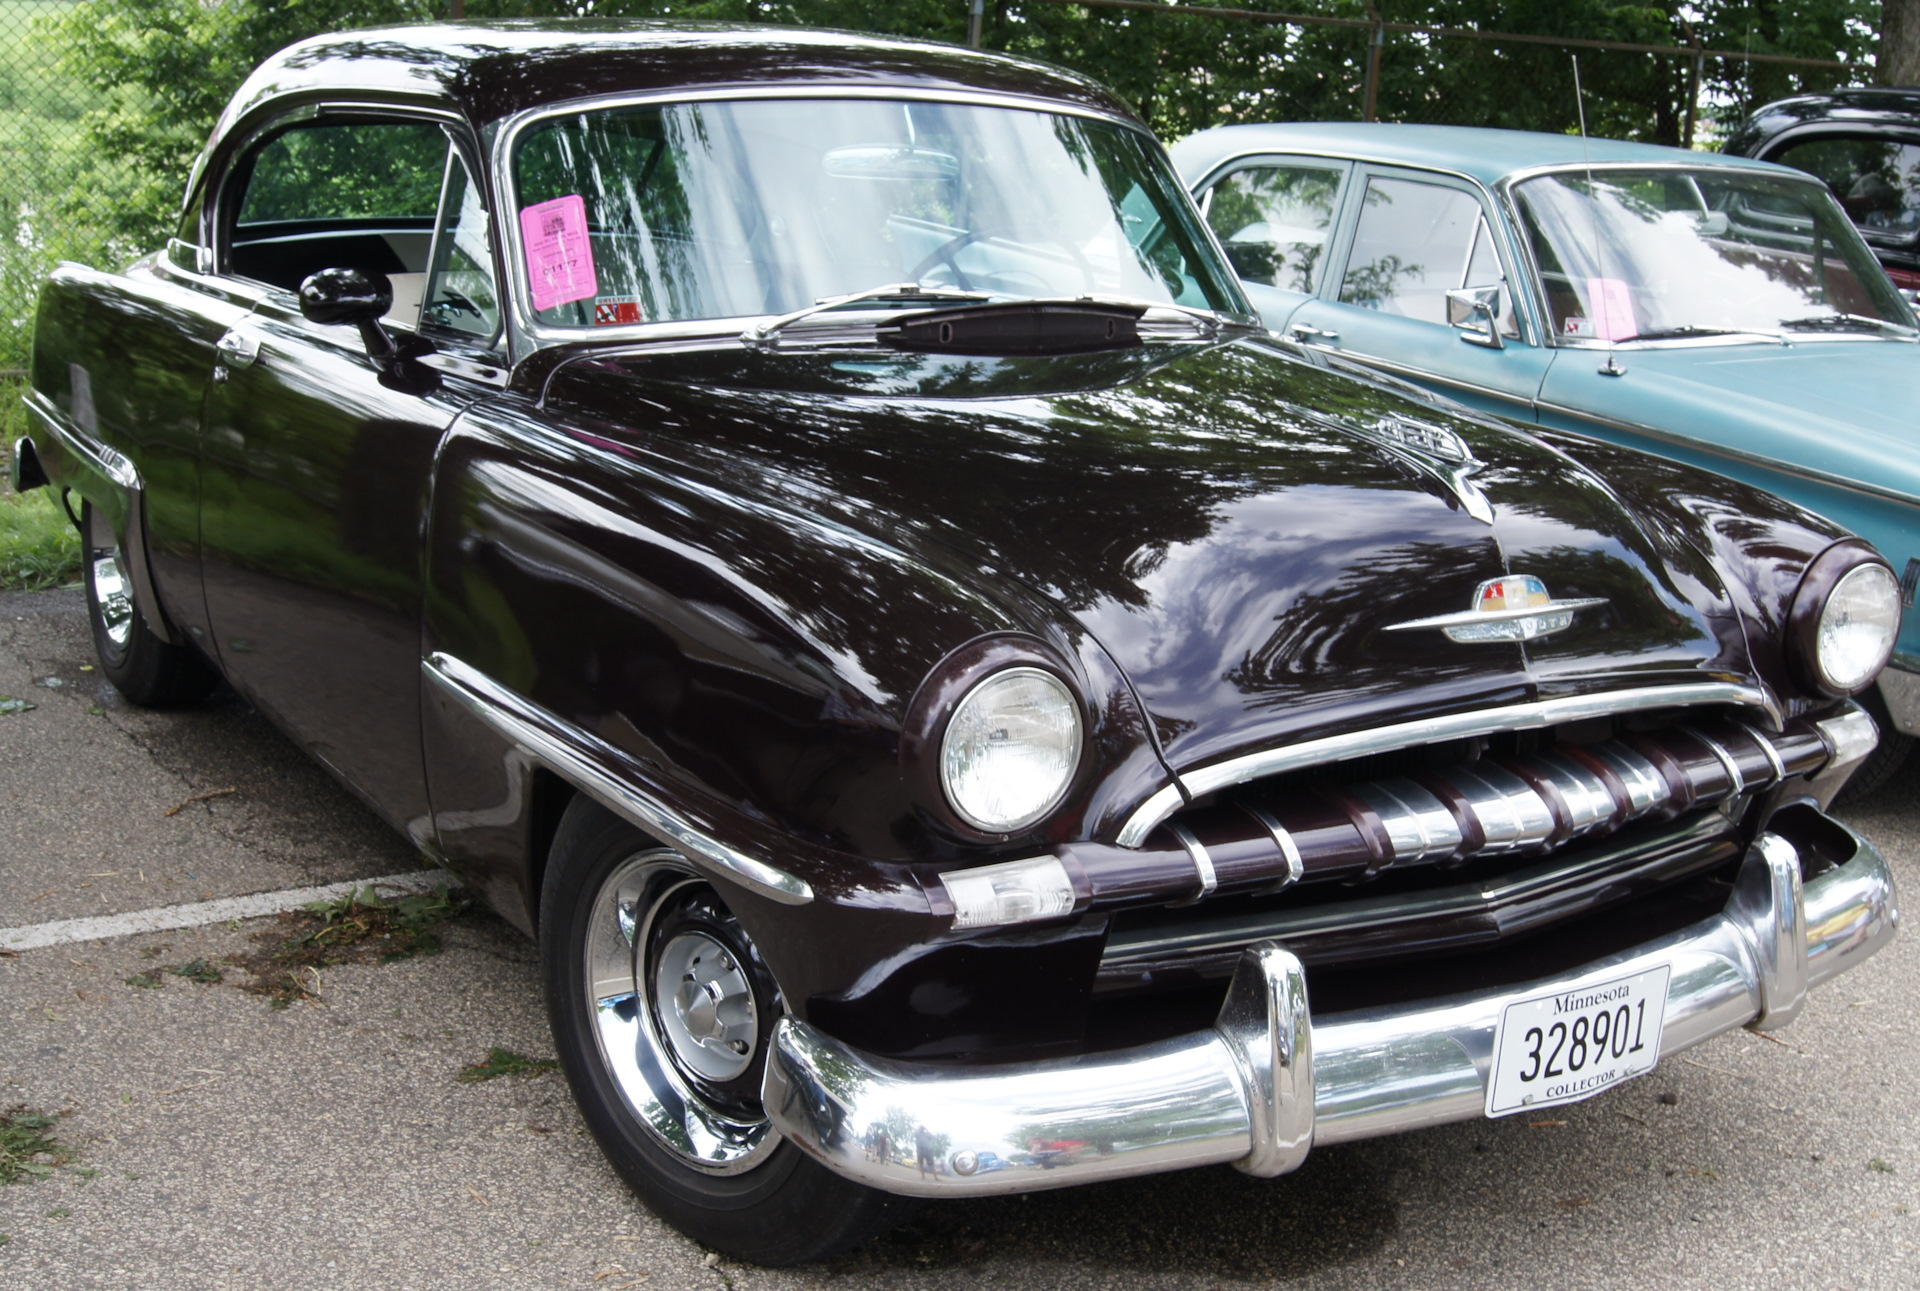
[{"x": 947, "y": 252}]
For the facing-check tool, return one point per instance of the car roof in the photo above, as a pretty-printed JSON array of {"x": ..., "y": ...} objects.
[
  {"x": 1867, "y": 106},
  {"x": 1482, "y": 153},
  {"x": 486, "y": 71}
]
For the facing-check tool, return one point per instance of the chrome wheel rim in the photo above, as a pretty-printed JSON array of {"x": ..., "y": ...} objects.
[
  {"x": 114, "y": 597},
  {"x": 673, "y": 1013}
]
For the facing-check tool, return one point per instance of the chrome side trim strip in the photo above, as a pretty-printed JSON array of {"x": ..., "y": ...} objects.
[
  {"x": 1791, "y": 470},
  {"x": 1196, "y": 781},
  {"x": 1267, "y": 1080},
  {"x": 1202, "y": 863},
  {"x": 496, "y": 705},
  {"x": 109, "y": 462}
]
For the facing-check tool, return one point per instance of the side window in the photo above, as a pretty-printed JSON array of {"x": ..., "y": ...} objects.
[
  {"x": 1876, "y": 180},
  {"x": 1411, "y": 248},
  {"x": 461, "y": 297},
  {"x": 346, "y": 195},
  {"x": 1274, "y": 222}
]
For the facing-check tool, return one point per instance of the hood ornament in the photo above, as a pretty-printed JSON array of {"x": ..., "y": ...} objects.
[
  {"x": 1515, "y": 608},
  {"x": 1433, "y": 450}
]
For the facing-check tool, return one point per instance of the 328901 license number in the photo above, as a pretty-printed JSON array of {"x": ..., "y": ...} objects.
[{"x": 1569, "y": 1045}]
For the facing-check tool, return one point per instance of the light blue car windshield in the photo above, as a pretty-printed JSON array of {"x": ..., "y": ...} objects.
[
  {"x": 741, "y": 208},
  {"x": 1658, "y": 253}
]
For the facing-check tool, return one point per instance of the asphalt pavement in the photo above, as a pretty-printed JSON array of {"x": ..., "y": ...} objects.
[{"x": 219, "y": 1142}]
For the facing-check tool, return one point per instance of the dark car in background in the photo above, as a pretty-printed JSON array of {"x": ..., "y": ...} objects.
[
  {"x": 1865, "y": 144},
  {"x": 812, "y": 529}
]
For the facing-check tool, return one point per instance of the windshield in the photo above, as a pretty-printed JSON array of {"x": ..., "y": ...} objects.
[
  {"x": 745, "y": 208},
  {"x": 1676, "y": 253}
]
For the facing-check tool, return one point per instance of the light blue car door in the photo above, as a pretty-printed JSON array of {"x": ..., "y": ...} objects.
[
  {"x": 1276, "y": 217},
  {"x": 1406, "y": 239}
]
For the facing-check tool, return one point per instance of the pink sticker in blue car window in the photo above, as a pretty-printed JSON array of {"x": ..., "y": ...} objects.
[
  {"x": 1611, "y": 309},
  {"x": 559, "y": 258}
]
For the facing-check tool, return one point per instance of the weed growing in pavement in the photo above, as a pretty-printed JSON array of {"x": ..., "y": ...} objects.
[
  {"x": 146, "y": 981},
  {"x": 361, "y": 928},
  {"x": 504, "y": 1062},
  {"x": 28, "y": 1149},
  {"x": 198, "y": 970}
]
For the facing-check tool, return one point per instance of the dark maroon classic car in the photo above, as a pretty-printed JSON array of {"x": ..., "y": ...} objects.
[{"x": 810, "y": 528}]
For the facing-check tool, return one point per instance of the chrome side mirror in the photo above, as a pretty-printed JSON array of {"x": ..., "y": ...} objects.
[
  {"x": 357, "y": 296},
  {"x": 1470, "y": 309}
]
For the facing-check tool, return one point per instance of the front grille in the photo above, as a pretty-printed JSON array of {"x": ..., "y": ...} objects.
[
  {"x": 1445, "y": 851},
  {"x": 1474, "y": 800}
]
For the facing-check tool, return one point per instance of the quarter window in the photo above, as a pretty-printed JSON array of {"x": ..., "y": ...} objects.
[
  {"x": 1275, "y": 221},
  {"x": 1412, "y": 247},
  {"x": 462, "y": 299}
]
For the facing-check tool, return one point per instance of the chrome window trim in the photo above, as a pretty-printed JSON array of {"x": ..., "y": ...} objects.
[
  {"x": 529, "y": 334},
  {"x": 491, "y": 702},
  {"x": 1722, "y": 450},
  {"x": 1197, "y": 782}
]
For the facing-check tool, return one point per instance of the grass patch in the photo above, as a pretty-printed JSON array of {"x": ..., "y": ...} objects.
[
  {"x": 28, "y": 1149},
  {"x": 198, "y": 970},
  {"x": 361, "y": 928},
  {"x": 504, "y": 1062},
  {"x": 39, "y": 547}
]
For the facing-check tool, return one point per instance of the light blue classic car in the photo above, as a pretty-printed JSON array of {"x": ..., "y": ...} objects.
[{"x": 1712, "y": 309}]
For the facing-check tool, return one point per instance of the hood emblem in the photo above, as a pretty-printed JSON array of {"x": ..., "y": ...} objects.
[
  {"x": 1515, "y": 608},
  {"x": 1440, "y": 453}
]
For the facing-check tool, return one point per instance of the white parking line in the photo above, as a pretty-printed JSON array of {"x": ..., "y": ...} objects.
[{"x": 62, "y": 931}]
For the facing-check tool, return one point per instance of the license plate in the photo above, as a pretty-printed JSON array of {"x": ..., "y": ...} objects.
[{"x": 1570, "y": 1045}]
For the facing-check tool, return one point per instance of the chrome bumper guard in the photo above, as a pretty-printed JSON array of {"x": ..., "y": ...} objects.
[{"x": 1268, "y": 1081}]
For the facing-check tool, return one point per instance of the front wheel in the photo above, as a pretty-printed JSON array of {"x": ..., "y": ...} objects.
[
  {"x": 147, "y": 670},
  {"x": 661, "y": 1012}
]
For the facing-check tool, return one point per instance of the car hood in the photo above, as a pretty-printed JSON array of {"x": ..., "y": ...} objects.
[
  {"x": 1226, "y": 520},
  {"x": 1841, "y": 408}
]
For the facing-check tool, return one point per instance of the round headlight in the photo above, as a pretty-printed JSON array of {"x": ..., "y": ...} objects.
[
  {"x": 1857, "y": 629},
  {"x": 1010, "y": 750}
]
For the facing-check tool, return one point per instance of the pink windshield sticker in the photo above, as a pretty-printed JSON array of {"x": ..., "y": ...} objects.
[
  {"x": 1611, "y": 308},
  {"x": 559, "y": 258}
]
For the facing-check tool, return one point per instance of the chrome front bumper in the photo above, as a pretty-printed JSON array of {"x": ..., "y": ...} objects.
[{"x": 1268, "y": 1081}]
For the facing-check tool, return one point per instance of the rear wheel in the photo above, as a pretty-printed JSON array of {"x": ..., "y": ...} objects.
[
  {"x": 147, "y": 670},
  {"x": 661, "y": 1011}
]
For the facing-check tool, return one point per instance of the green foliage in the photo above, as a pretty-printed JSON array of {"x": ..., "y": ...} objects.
[
  {"x": 38, "y": 544},
  {"x": 504, "y": 1062},
  {"x": 28, "y": 1149},
  {"x": 335, "y": 172}
]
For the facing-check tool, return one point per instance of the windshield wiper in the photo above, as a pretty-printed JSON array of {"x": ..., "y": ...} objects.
[
  {"x": 1841, "y": 323},
  {"x": 762, "y": 337}
]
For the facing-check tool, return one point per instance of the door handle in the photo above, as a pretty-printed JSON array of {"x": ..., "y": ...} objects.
[
  {"x": 1308, "y": 335},
  {"x": 237, "y": 350}
]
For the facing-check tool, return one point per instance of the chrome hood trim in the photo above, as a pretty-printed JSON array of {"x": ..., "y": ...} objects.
[{"x": 1195, "y": 782}]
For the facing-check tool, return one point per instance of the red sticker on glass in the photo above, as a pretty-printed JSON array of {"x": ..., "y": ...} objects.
[
  {"x": 609, "y": 311},
  {"x": 559, "y": 258}
]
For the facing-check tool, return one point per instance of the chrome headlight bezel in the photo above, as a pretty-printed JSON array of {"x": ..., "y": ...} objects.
[{"x": 1845, "y": 564}]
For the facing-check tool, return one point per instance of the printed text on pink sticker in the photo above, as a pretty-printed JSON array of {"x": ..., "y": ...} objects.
[
  {"x": 559, "y": 257},
  {"x": 1612, "y": 309}
]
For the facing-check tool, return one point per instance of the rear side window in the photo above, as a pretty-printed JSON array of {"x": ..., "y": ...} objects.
[
  {"x": 1274, "y": 222},
  {"x": 1876, "y": 180},
  {"x": 1410, "y": 249}
]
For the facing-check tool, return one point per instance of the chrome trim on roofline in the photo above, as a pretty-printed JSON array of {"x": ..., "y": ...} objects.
[{"x": 1196, "y": 782}]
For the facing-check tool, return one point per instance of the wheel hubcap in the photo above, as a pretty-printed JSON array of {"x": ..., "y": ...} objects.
[
  {"x": 675, "y": 1012},
  {"x": 112, "y": 595}
]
